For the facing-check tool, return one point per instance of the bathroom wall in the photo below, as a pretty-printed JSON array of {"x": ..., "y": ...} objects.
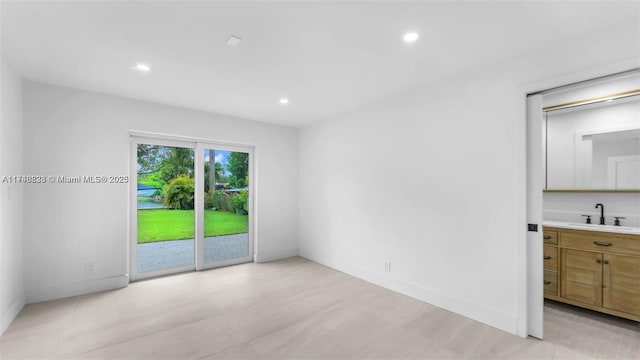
[{"x": 570, "y": 206}]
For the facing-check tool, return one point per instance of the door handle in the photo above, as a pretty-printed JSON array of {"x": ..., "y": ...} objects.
[
  {"x": 602, "y": 243},
  {"x": 547, "y": 257},
  {"x": 547, "y": 282}
]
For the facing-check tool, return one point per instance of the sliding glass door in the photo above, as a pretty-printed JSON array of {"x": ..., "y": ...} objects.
[
  {"x": 192, "y": 208},
  {"x": 225, "y": 208}
]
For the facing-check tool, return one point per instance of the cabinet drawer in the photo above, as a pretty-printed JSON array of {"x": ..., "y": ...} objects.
[
  {"x": 550, "y": 237},
  {"x": 551, "y": 257},
  {"x": 550, "y": 283},
  {"x": 594, "y": 241}
]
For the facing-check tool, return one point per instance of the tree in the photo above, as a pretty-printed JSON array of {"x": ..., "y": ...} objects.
[
  {"x": 238, "y": 167},
  {"x": 165, "y": 161},
  {"x": 178, "y": 162},
  {"x": 218, "y": 175},
  {"x": 151, "y": 158}
]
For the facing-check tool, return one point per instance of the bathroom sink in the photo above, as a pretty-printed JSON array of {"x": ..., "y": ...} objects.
[
  {"x": 601, "y": 227},
  {"x": 593, "y": 227}
]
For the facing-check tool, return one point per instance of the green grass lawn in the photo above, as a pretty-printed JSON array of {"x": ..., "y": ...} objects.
[{"x": 163, "y": 224}]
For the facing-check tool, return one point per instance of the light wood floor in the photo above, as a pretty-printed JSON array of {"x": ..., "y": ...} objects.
[{"x": 292, "y": 308}]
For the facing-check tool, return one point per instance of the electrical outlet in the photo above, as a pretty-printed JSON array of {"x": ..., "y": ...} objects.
[
  {"x": 88, "y": 268},
  {"x": 387, "y": 266}
]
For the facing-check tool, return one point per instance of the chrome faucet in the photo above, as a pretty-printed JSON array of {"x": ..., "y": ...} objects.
[{"x": 601, "y": 213}]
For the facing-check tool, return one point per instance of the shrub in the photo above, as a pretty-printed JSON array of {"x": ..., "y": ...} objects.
[
  {"x": 210, "y": 201},
  {"x": 240, "y": 200},
  {"x": 179, "y": 193},
  {"x": 218, "y": 200}
]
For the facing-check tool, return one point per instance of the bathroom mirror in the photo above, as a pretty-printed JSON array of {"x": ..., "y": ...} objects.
[{"x": 594, "y": 147}]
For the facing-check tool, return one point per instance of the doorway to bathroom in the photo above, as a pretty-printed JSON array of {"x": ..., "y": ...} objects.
[
  {"x": 191, "y": 206},
  {"x": 583, "y": 191}
]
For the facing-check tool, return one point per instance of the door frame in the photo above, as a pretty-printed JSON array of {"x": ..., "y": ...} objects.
[
  {"x": 535, "y": 185},
  {"x": 526, "y": 298},
  {"x": 198, "y": 144}
]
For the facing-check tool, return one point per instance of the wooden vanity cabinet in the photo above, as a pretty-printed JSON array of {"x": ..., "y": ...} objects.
[
  {"x": 596, "y": 270},
  {"x": 550, "y": 257}
]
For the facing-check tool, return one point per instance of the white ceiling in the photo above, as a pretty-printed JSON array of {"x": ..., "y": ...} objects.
[{"x": 328, "y": 58}]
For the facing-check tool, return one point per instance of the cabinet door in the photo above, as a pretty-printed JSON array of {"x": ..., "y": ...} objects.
[
  {"x": 581, "y": 274},
  {"x": 621, "y": 283},
  {"x": 550, "y": 283},
  {"x": 551, "y": 257},
  {"x": 550, "y": 237}
]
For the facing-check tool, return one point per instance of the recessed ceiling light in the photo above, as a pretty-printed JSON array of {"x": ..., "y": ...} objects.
[
  {"x": 141, "y": 67},
  {"x": 284, "y": 101},
  {"x": 233, "y": 40},
  {"x": 410, "y": 37}
]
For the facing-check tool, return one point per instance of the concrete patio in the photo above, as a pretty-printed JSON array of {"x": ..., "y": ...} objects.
[{"x": 175, "y": 253}]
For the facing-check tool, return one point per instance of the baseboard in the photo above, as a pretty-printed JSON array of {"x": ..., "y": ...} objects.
[
  {"x": 77, "y": 288},
  {"x": 459, "y": 306},
  {"x": 265, "y": 256},
  {"x": 10, "y": 313}
]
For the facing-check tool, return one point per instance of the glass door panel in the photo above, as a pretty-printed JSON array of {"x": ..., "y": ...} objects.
[
  {"x": 165, "y": 209},
  {"x": 226, "y": 206}
]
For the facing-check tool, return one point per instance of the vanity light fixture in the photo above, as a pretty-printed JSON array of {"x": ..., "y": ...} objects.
[
  {"x": 284, "y": 101},
  {"x": 410, "y": 37},
  {"x": 142, "y": 67}
]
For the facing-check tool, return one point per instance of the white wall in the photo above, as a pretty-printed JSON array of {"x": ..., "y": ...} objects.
[
  {"x": 427, "y": 182},
  {"x": 570, "y": 207},
  {"x": 434, "y": 181},
  {"x": 73, "y": 132},
  {"x": 12, "y": 297}
]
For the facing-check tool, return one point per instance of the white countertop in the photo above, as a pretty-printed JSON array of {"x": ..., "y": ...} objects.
[{"x": 593, "y": 227}]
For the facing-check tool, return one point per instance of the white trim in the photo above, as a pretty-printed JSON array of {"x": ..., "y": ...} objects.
[
  {"x": 132, "y": 247},
  {"x": 10, "y": 313},
  {"x": 179, "y": 138},
  {"x": 520, "y": 327},
  {"x": 198, "y": 206},
  {"x": 266, "y": 256},
  {"x": 535, "y": 183},
  {"x": 499, "y": 320},
  {"x": 77, "y": 288}
]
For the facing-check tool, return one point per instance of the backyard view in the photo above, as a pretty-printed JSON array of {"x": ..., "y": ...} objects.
[{"x": 166, "y": 200}]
